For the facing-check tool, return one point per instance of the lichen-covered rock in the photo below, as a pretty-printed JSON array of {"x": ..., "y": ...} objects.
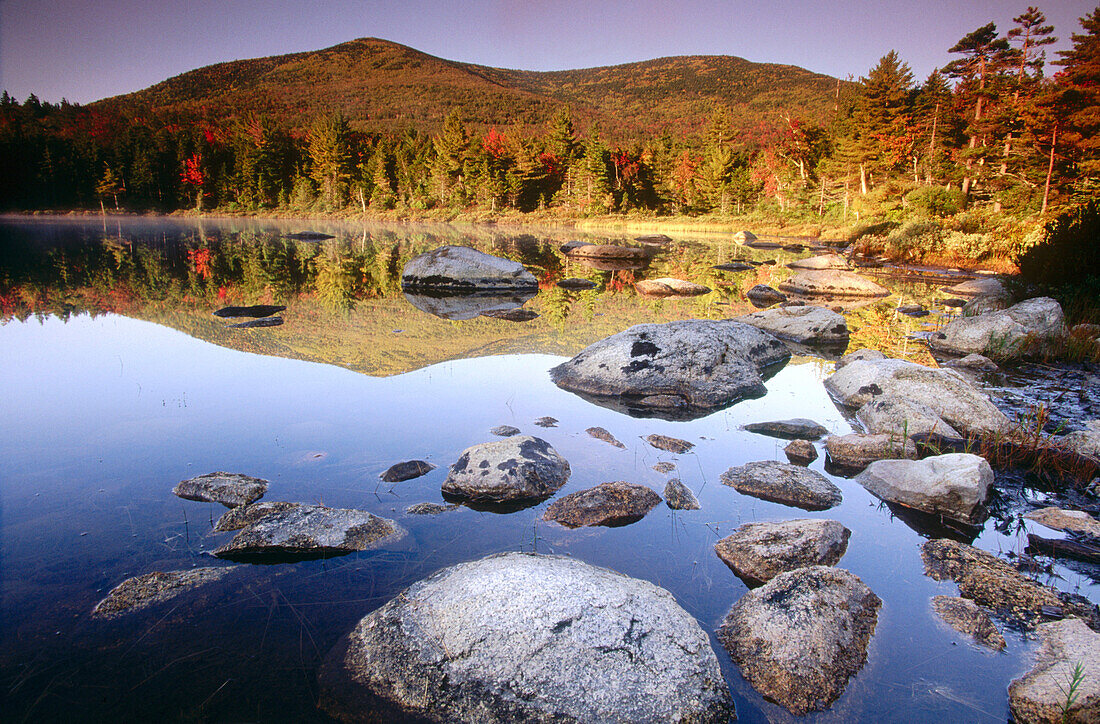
[
  {"x": 1001, "y": 334},
  {"x": 428, "y": 509},
  {"x": 670, "y": 287},
  {"x": 522, "y": 637},
  {"x": 407, "y": 470},
  {"x": 1084, "y": 442},
  {"x": 852, "y": 453},
  {"x": 954, "y": 486},
  {"x": 1076, "y": 521},
  {"x": 801, "y": 636},
  {"x": 664, "y": 466},
  {"x": 968, "y": 618},
  {"x": 461, "y": 268},
  {"x": 140, "y": 592},
  {"x": 783, "y": 483},
  {"x": 945, "y": 392},
  {"x": 798, "y": 428},
  {"x": 800, "y": 452},
  {"x": 504, "y": 431},
  {"x": 859, "y": 355},
  {"x": 311, "y": 531},
  {"x": 242, "y": 515},
  {"x": 516, "y": 468},
  {"x": 758, "y": 552},
  {"x": 805, "y": 325},
  {"x": 832, "y": 282},
  {"x": 229, "y": 489},
  {"x": 669, "y": 444},
  {"x": 611, "y": 504},
  {"x": 693, "y": 364},
  {"x": 679, "y": 496},
  {"x": 601, "y": 434},
  {"x": 891, "y": 414},
  {"x": 973, "y": 362},
  {"x": 1040, "y": 696}
]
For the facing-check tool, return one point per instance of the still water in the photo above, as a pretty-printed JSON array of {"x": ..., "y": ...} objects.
[{"x": 118, "y": 383}]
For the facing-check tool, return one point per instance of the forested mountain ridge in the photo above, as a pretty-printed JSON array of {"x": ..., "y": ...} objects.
[{"x": 385, "y": 86}]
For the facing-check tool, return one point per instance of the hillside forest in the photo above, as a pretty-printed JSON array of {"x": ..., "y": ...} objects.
[{"x": 989, "y": 134}]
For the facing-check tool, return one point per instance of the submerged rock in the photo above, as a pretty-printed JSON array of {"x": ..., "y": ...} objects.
[
  {"x": 610, "y": 504},
  {"x": 679, "y": 496},
  {"x": 783, "y": 483},
  {"x": 601, "y": 434},
  {"x": 229, "y": 489},
  {"x": 1002, "y": 334},
  {"x": 547, "y": 421},
  {"x": 670, "y": 287},
  {"x": 762, "y": 295},
  {"x": 664, "y": 467},
  {"x": 821, "y": 261},
  {"x": 798, "y": 428},
  {"x": 694, "y": 364},
  {"x": 575, "y": 283},
  {"x": 854, "y": 452},
  {"x": 308, "y": 236},
  {"x": 512, "y": 315},
  {"x": 1042, "y": 695},
  {"x": 257, "y": 323},
  {"x": 733, "y": 266},
  {"x": 832, "y": 282},
  {"x": 954, "y": 486},
  {"x": 461, "y": 268},
  {"x": 310, "y": 531},
  {"x": 657, "y": 239},
  {"x": 242, "y": 515},
  {"x": 800, "y": 452},
  {"x": 1076, "y": 521},
  {"x": 669, "y": 444},
  {"x": 805, "y": 325},
  {"x": 140, "y": 592},
  {"x": 256, "y": 310},
  {"x": 892, "y": 414},
  {"x": 516, "y": 468},
  {"x": 428, "y": 509},
  {"x": 522, "y": 637},
  {"x": 407, "y": 470},
  {"x": 504, "y": 431},
  {"x": 968, "y": 618},
  {"x": 608, "y": 251},
  {"x": 801, "y": 636},
  {"x": 758, "y": 552}
]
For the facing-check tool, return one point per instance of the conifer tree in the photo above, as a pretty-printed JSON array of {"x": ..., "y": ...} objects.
[
  {"x": 1078, "y": 88},
  {"x": 330, "y": 158},
  {"x": 452, "y": 148}
]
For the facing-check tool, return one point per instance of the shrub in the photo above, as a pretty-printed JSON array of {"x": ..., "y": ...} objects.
[
  {"x": 1068, "y": 252},
  {"x": 936, "y": 201},
  {"x": 916, "y": 239}
]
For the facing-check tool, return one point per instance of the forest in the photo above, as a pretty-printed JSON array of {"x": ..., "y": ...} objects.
[{"x": 989, "y": 140}]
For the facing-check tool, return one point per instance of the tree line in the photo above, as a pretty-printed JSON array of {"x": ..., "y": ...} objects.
[{"x": 989, "y": 128}]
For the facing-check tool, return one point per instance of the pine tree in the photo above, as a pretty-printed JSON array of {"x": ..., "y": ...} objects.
[
  {"x": 452, "y": 149},
  {"x": 1079, "y": 98},
  {"x": 330, "y": 158}
]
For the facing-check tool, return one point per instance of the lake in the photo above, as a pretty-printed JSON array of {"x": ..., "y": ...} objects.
[{"x": 119, "y": 383}]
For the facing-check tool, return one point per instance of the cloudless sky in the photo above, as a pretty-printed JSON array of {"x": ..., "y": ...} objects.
[{"x": 84, "y": 50}]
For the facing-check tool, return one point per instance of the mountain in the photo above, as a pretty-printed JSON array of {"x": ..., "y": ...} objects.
[{"x": 381, "y": 85}]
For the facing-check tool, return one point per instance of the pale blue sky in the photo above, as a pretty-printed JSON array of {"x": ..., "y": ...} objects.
[{"x": 84, "y": 50}]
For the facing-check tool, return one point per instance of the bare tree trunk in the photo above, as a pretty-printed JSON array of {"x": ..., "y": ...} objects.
[
  {"x": 821, "y": 199},
  {"x": 862, "y": 180}
]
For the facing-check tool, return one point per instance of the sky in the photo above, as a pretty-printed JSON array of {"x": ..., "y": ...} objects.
[{"x": 84, "y": 50}]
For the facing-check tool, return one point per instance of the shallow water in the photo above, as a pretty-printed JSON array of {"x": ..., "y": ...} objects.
[{"x": 119, "y": 383}]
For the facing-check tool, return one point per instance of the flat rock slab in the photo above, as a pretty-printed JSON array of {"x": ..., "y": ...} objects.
[
  {"x": 832, "y": 282},
  {"x": 429, "y": 509},
  {"x": 758, "y": 552},
  {"x": 762, "y": 295},
  {"x": 512, "y": 315},
  {"x": 1002, "y": 334},
  {"x": 821, "y": 261},
  {"x": 407, "y": 470},
  {"x": 694, "y": 364},
  {"x": 1041, "y": 694},
  {"x": 798, "y": 428},
  {"x": 308, "y": 236},
  {"x": 954, "y": 486},
  {"x": 669, "y": 444},
  {"x": 974, "y": 362},
  {"x": 610, "y": 504},
  {"x": 243, "y": 515},
  {"x": 229, "y": 489},
  {"x": 461, "y": 268},
  {"x": 969, "y": 619},
  {"x": 987, "y": 580},
  {"x": 858, "y": 356},
  {"x": 679, "y": 496},
  {"x": 578, "y": 284},
  {"x": 601, "y": 434},
  {"x": 892, "y": 414},
  {"x": 504, "y": 431},
  {"x": 516, "y": 468},
  {"x": 800, "y": 452},
  {"x": 733, "y": 266},
  {"x": 801, "y": 636},
  {"x": 311, "y": 531},
  {"x": 653, "y": 239},
  {"x": 670, "y": 287},
  {"x": 664, "y": 466},
  {"x": 547, "y": 422},
  {"x": 783, "y": 483},
  {"x": 522, "y": 637},
  {"x": 945, "y": 392},
  {"x": 805, "y": 325},
  {"x": 257, "y": 323},
  {"x": 256, "y": 310},
  {"x": 140, "y": 592},
  {"x": 854, "y": 452},
  {"x": 978, "y": 287},
  {"x": 608, "y": 251},
  {"x": 1075, "y": 521}
]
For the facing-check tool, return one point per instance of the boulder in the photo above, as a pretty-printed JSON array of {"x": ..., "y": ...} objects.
[
  {"x": 310, "y": 531},
  {"x": 800, "y": 452},
  {"x": 973, "y": 362},
  {"x": 783, "y": 483},
  {"x": 798, "y": 428},
  {"x": 608, "y": 251},
  {"x": 954, "y": 486},
  {"x": 243, "y": 515},
  {"x": 407, "y": 470},
  {"x": 679, "y": 496},
  {"x": 693, "y": 365},
  {"x": 460, "y": 268},
  {"x": 669, "y": 444},
  {"x": 854, "y": 452},
  {"x": 913, "y": 310},
  {"x": 1002, "y": 334},
  {"x": 758, "y": 552},
  {"x": 821, "y": 261},
  {"x": 859, "y": 355},
  {"x": 601, "y": 434},
  {"x": 610, "y": 504},
  {"x": 1070, "y": 655},
  {"x": 670, "y": 287},
  {"x": 744, "y": 237},
  {"x": 946, "y": 392},
  {"x": 229, "y": 489},
  {"x": 968, "y": 618},
  {"x": 987, "y": 580},
  {"x": 1071, "y": 521},
  {"x": 523, "y": 637},
  {"x": 805, "y": 325},
  {"x": 891, "y": 414},
  {"x": 460, "y": 306},
  {"x": 832, "y": 282},
  {"x": 504, "y": 431},
  {"x": 516, "y": 468},
  {"x": 140, "y": 592},
  {"x": 762, "y": 295},
  {"x": 1084, "y": 442},
  {"x": 985, "y": 304},
  {"x": 801, "y": 636},
  {"x": 575, "y": 283}
]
